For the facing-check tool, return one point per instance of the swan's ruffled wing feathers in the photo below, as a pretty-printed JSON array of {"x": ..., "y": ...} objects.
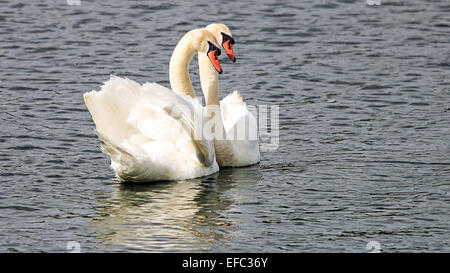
[
  {"x": 109, "y": 108},
  {"x": 142, "y": 135},
  {"x": 183, "y": 117}
]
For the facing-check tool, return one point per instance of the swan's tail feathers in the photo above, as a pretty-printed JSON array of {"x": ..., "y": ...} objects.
[{"x": 115, "y": 151}]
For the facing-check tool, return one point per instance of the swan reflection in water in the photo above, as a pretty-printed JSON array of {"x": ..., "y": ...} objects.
[{"x": 191, "y": 215}]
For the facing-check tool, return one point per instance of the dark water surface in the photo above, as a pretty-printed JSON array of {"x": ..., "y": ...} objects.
[{"x": 364, "y": 150}]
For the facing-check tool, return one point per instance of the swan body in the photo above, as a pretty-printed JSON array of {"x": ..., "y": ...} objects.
[{"x": 149, "y": 131}]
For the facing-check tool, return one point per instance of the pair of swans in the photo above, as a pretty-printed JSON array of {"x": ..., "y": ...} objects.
[{"x": 152, "y": 133}]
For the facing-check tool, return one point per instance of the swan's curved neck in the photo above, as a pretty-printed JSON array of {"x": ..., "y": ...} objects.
[
  {"x": 209, "y": 80},
  {"x": 225, "y": 149},
  {"x": 180, "y": 81}
]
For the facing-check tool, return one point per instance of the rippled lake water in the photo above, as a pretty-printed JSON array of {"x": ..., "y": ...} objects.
[{"x": 364, "y": 149}]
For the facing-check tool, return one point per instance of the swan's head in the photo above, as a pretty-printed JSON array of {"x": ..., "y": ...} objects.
[
  {"x": 206, "y": 43},
  {"x": 223, "y": 35}
]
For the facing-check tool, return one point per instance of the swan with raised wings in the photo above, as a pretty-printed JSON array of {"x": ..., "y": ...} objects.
[{"x": 149, "y": 131}]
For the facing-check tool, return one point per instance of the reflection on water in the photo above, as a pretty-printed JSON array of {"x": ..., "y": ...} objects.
[{"x": 173, "y": 216}]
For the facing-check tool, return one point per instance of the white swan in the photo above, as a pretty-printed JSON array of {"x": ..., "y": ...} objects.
[
  {"x": 149, "y": 131},
  {"x": 237, "y": 144},
  {"x": 240, "y": 146}
]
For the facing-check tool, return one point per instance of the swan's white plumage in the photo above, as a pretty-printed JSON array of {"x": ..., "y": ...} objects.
[
  {"x": 241, "y": 146},
  {"x": 145, "y": 142},
  {"x": 232, "y": 107},
  {"x": 233, "y": 150},
  {"x": 236, "y": 135}
]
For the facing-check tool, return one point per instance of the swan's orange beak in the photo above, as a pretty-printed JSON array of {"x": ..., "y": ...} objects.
[
  {"x": 228, "y": 46},
  {"x": 214, "y": 57}
]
